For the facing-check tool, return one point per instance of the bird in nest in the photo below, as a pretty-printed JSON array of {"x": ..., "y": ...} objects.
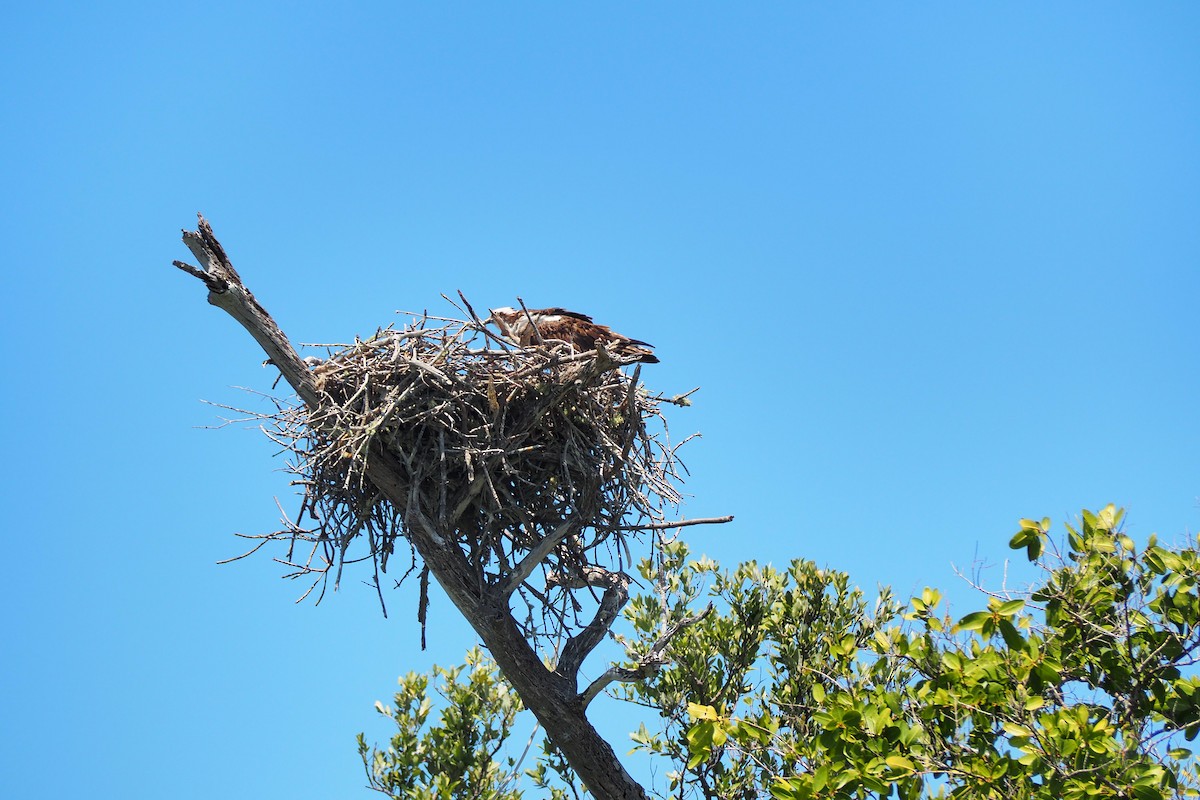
[{"x": 527, "y": 327}]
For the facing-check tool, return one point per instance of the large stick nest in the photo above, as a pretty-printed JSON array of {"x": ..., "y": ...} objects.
[{"x": 498, "y": 447}]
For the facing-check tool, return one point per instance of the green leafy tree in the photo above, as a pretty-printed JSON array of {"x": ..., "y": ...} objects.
[
  {"x": 454, "y": 746},
  {"x": 798, "y": 685},
  {"x": 458, "y": 756}
]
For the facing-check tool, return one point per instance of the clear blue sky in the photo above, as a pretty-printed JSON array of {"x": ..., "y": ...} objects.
[{"x": 934, "y": 267}]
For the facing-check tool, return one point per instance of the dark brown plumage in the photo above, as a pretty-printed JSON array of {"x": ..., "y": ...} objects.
[{"x": 567, "y": 326}]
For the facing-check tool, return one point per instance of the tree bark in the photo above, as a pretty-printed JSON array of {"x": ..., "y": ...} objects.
[{"x": 552, "y": 695}]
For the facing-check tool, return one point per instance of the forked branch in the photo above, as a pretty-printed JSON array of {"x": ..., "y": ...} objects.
[{"x": 648, "y": 665}]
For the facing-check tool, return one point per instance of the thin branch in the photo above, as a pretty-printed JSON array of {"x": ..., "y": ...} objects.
[
  {"x": 616, "y": 595},
  {"x": 648, "y": 665},
  {"x": 527, "y": 565},
  {"x": 537, "y": 333},
  {"x": 682, "y": 523},
  {"x": 480, "y": 326}
]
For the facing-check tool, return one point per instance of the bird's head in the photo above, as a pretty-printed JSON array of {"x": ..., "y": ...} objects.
[
  {"x": 503, "y": 317},
  {"x": 506, "y": 313}
]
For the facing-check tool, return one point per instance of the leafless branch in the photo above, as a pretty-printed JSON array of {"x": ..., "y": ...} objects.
[
  {"x": 648, "y": 665},
  {"x": 682, "y": 523},
  {"x": 616, "y": 595}
]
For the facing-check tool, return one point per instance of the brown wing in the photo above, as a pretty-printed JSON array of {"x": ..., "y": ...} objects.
[
  {"x": 579, "y": 331},
  {"x": 583, "y": 334},
  {"x": 592, "y": 329},
  {"x": 559, "y": 312}
]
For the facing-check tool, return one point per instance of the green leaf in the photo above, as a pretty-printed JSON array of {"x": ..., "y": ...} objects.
[
  {"x": 1148, "y": 793},
  {"x": 700, "y": 743},
  {"x": 1010, "y": 607},
  {"x": 1013, "y": 729},
  {"x": 782, "y": 789},
  {"x": 974, "y": 621},
  {"x": 1030, "y": 537},
  {"x": 1012, "y": 638}
]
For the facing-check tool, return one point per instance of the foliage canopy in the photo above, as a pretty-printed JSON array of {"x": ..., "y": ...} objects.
[{"x": 799, "y": 686}]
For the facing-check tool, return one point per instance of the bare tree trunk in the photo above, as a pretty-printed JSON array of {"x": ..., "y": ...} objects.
[{"x": 552, "y": 695}]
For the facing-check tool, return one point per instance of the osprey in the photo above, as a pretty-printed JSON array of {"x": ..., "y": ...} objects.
[{"x": 567, "y": 326}]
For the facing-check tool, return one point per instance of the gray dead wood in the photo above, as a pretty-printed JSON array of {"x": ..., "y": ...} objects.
[{"x": 552, "y": 695}]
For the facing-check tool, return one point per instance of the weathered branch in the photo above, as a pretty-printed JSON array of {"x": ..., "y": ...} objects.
[
  {"x": 616, "y": 595},
  {"x": 226, "y": 291},
  {"x": 648, "y": 665},
  {"x": 536, "y": 556},
  {"x": 553, "y": 698},
  {"x": 682, "y": 523}
]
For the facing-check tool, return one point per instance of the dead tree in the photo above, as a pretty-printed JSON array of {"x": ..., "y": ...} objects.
[{"x": 507, "y": 472}]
